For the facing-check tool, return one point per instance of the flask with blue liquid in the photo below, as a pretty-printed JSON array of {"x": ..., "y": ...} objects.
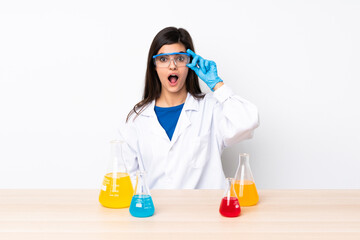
[{"x": 141, "y": 204}]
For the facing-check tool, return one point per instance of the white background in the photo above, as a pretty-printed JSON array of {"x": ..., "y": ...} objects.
[{"x": 70, "y": 71}]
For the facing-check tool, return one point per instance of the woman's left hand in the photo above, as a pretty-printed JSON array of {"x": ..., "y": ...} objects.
[{"x": 205, "y": 69}]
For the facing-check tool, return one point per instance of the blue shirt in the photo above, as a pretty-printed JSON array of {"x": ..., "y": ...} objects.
[{"x": 168, "y": 118}]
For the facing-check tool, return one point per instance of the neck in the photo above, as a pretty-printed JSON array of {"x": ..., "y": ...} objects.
[{"x": 168, "y": 99}]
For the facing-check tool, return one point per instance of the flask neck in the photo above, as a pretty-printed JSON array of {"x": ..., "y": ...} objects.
[
  {"x": 141, "y": 187},
  {"x": 243, "y": 159},
  {"x": 243, "y": 172},
  {"x": 116, "y": 163},
  {"x": 230, "y": 190}
]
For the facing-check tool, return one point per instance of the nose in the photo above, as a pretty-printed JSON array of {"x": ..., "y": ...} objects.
[{"x": 172, "y": 64}]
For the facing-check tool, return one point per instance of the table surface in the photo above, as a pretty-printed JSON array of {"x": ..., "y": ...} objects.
[{"x": 180, "y": 214}]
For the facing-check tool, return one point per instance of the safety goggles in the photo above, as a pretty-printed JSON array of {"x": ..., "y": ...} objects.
[{"x": 163, "y": 60}]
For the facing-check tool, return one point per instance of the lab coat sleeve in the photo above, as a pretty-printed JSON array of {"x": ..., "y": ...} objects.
[
  {"x": 235, "y": 117},
  {"x": 127, "y": 133}
]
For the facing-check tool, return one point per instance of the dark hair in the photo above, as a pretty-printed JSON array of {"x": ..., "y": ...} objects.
[{"x": 152, "y": 89}]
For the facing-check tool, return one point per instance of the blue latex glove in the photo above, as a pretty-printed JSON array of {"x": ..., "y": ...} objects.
[{"x": 205, "y": 69}]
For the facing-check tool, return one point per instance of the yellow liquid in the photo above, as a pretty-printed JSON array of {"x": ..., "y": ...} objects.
[
  {"x": 116, "y": 191},
  {"x": 246, "y": 192}
]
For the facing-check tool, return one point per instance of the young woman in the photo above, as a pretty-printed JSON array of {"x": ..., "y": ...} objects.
[{"x": 176, "y": 133}]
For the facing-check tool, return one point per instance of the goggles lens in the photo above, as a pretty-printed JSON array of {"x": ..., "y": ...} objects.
[{"x": 164, "y": 59}]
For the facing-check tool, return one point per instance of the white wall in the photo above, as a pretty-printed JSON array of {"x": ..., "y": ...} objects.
[{"x": 71, "y": 70}]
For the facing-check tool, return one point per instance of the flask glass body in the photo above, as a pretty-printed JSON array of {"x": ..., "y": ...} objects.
[
  {"x": 244, "y": 183},
  {"x": 116, "y": 190},
  {"x": 141, "y": 204},
  {"x": 229, "y": 206}
]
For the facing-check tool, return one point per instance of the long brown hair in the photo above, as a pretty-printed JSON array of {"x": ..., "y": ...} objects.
[{"x": 152, "y": 87}]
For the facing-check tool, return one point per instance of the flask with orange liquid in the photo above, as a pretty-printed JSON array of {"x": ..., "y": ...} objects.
[
  {"x": 116, "y": 190},
  {"x": 244, "y": 183}
]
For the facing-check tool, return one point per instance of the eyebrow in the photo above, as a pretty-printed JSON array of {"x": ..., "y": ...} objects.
[
  {"x": 165, "y": 53},
  {"x": 162, "y": 54}
]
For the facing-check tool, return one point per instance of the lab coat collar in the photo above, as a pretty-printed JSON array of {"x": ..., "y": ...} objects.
[
  {"x": 191, "y": 103},
  {"x": 149, "y": 110}
]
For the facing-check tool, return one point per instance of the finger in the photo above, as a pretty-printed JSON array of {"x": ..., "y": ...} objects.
[
  {"x": 207, "y": 65},
  {"x": 202, "y": 65},
  {"x": 194, "y": 62},
  {"x": 212, "y": 65},
  {"x": 191, "y": 53},
  {"x": 195, "y": 69}
]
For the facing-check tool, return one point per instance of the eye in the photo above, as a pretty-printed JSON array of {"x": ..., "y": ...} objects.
[
  {"x": 180, "y": 59},
  {"x": 163, "y": 59}
]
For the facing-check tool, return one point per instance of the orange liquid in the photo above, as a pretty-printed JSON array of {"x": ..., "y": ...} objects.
[
  {"x": 246, "y": 192},
  {"x": 116, "y": 191}
]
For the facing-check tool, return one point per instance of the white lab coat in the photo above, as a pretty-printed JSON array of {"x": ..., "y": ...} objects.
[{"x": 192, "y": 159}]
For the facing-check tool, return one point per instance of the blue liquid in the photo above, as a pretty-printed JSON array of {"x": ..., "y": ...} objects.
[{"x": 142, "y": 206}]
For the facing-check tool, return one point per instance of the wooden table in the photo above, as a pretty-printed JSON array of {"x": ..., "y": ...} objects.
[{"x": 180, "y": 214}]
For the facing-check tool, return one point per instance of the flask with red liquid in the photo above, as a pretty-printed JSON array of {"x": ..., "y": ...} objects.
[{"x": 230, "y": 206}]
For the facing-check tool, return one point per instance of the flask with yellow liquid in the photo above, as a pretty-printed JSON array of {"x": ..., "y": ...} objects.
[
  {"x": 244, "y": 183},
  {"x": 116, "y": 190}
]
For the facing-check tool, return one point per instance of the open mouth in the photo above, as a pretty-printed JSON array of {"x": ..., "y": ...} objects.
[{"x": 173, "y": 78}]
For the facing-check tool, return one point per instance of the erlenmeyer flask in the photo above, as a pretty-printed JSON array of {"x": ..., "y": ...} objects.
[
  {"x": 141, "y": 204},
  {"x": 244, "y": 182},
  {"x": 230, "y": 206},
  {"x": 116, "y": 190}
]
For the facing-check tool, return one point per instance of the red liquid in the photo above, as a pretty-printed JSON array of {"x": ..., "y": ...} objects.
[{"x": 230, "y": 207}]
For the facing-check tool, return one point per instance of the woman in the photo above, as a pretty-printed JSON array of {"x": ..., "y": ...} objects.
[{"x": 177, "y": 133}]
